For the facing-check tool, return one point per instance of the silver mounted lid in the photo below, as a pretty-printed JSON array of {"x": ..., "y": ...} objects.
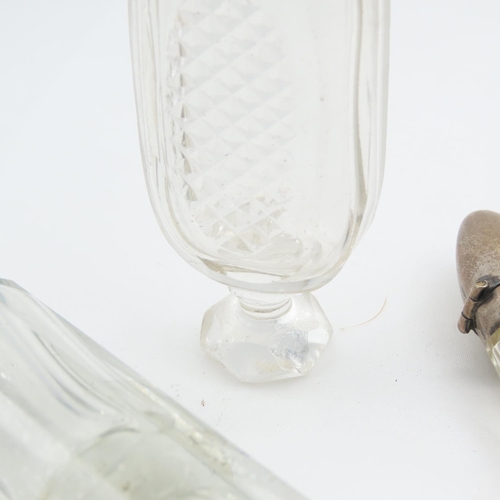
[{"x": 478, "y": 268}]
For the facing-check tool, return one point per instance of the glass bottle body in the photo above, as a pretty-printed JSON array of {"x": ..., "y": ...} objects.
[
  {"x": 262, "y": 126},
  {"x": 75, "y": 423}
]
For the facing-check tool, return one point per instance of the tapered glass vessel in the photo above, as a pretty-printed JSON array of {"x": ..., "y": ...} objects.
[{"x": 262, "y": 124}]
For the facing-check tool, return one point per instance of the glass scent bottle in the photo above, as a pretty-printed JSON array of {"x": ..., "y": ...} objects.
[
  {"x": 77, "y": 424},
  {"x": 262, "y": 125}
]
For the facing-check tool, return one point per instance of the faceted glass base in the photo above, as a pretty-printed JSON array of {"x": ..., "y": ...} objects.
[{"x": 261, "y": 337}]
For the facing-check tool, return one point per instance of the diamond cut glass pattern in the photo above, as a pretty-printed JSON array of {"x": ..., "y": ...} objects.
[
  {"x": 230, "y": 106},
  {"x": 262, "y": 126}
]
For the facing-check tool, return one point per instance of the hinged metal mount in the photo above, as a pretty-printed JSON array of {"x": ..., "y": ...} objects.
[{"x": 481, "y": 290}]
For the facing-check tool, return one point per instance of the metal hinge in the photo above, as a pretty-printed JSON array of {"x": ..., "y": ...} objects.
[{"x": 480, "y": 291}]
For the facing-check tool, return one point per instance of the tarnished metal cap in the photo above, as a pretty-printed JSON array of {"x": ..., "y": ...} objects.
[{"x": 478, "y": 268}]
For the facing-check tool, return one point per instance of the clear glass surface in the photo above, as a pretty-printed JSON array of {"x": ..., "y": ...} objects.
[
  {"x": 262, "y": 125},
  {"x": 493, "y": 350},
  {"x": 77, "y": 424}
]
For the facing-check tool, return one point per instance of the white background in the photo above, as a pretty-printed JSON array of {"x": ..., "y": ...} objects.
[{"x": 402, "y": 406}]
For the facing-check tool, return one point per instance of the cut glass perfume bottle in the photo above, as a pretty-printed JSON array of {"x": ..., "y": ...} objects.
[
  {"x": 262, "y": 124},
  {"x": 77, "y": 424}
]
